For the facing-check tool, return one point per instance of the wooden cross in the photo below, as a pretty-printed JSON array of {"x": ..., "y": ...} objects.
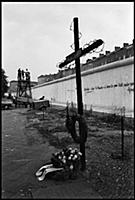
[{"x": 76, "y": 56}]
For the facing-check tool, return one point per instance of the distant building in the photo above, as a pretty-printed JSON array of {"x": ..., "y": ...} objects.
[
  {"x": 42, "y": 79},
  {"x": 46, "y": 78},
  {"x": 13, "y": 87}
]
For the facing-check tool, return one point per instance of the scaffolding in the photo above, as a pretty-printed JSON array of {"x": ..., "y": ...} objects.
[{"x": 23, "y": 94}]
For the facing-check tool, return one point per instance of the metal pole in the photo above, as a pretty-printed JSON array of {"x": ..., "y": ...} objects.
[
  {"x": 122, "y": 136},
  {"x": 122, "y": 131},
  {"x": 79, "y": 89}
]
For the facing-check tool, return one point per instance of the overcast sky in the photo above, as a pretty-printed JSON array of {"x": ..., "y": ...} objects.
[{"x": 37, "y": 36}]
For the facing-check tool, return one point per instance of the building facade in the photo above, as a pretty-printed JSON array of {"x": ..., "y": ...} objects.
[{"x": 107, "y": 83}]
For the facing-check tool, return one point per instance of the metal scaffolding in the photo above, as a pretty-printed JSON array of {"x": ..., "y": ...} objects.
[{"x": 23, "y": 84}]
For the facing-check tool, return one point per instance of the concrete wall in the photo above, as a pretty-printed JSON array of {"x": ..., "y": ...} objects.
[{"x": 106, "y": 88}]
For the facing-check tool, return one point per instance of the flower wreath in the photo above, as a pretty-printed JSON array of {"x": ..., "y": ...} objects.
[{"x": 70, "y": 124}]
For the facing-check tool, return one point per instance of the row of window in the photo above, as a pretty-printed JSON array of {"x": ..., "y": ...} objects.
[{"x": 112, "y": 57}]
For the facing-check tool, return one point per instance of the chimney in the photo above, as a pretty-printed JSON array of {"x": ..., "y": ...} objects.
[
  {"x": 88, "y": 60},
  {"x": 117, "y": 48},
  {"x": 107, "y": 52},
  {"x": 125, "y": 44},
  {"x": 101, "y": 54}
]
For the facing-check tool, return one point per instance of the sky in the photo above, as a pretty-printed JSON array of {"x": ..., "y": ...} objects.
[{"x": 37, "y": 36}]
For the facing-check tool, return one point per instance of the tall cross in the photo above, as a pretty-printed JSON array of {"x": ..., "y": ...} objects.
[{"x": 76, "y": 56}]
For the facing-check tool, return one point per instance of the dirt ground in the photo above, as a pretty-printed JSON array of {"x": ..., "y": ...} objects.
[
  {"x": 109, "y": 174},
  {"x": 39, "y": 136}
]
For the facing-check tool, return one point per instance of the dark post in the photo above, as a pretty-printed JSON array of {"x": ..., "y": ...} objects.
[
  {"x": 122, "y": 137},
  {"x": 43, "y": 113},
  {"x": 77, "y": 67},
  {"x": 79, "y": 88},
  {"x": 122, "y": 131}
]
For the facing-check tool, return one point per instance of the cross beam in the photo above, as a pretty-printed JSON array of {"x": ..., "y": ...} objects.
[{"x": 80, "y": 52}]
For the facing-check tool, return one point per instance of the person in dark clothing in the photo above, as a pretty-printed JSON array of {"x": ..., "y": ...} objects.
[
  {"x": 23, "y": 74},
  {"x": 27, "y": 74},
  {"x": 19, "y": 74}
]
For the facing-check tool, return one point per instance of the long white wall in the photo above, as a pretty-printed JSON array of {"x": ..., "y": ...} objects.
[{"x": 106, "y": 88}]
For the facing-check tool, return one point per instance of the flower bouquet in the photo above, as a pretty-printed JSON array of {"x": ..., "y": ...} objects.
[
  {"x": 64, "y": 165},
  {"x": 69, "y": 160}
]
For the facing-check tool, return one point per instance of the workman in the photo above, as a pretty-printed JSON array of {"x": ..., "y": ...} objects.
[{"x": 19, "y": 74}]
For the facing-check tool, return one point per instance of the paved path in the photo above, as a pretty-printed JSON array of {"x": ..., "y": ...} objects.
[{"x": 75, "y": 189}]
